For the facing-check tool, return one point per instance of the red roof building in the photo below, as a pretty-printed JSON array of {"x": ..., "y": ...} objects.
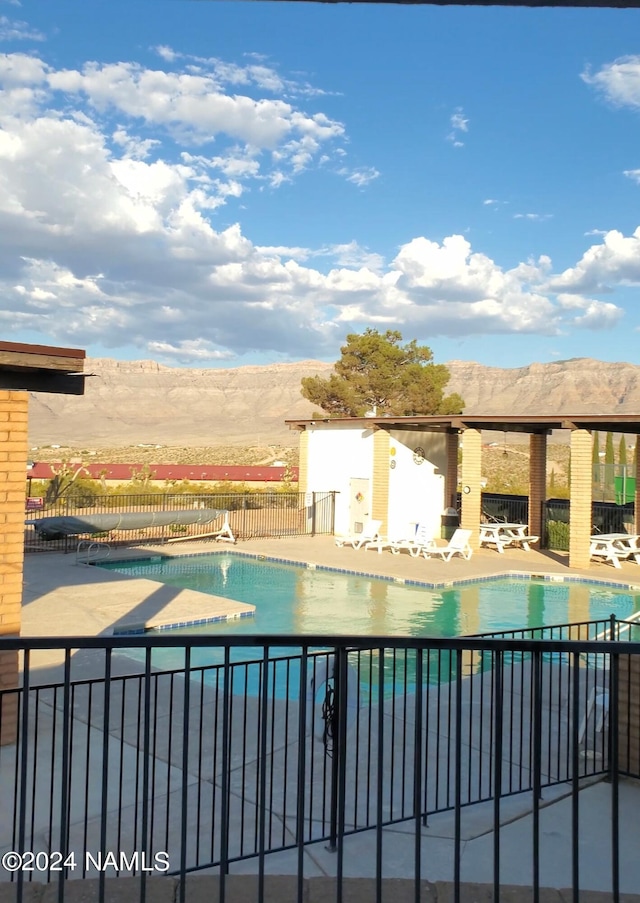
[{"x": 162, "y": 473}]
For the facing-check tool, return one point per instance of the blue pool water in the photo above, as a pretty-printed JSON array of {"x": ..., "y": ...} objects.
[
  {"x": 299, "y": 600},
  {"x": 292, "y": 599}
]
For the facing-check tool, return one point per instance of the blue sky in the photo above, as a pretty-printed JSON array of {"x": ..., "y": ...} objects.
[{"x": 212, "y": 184}]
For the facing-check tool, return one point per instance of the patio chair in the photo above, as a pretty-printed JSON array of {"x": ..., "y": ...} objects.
[
  {"x": 416, "y": 543},
  {"x": 458, "y": 545},
  {"x": 369, "y": 536}
]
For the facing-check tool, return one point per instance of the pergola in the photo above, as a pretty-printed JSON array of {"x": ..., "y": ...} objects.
[{"x": 469, "y": 427}]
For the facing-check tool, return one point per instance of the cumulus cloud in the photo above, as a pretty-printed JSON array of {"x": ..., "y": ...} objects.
[
  {"x": 615, "y": 261},
  {"x": 618, "y": 82},
  {"x": 590, "y": 313},
  {"x": 111, "y": 181},
  {"x": 633, "y": 174}
]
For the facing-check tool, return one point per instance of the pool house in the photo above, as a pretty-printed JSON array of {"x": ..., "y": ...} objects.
[{"x": 403, "y": 470}]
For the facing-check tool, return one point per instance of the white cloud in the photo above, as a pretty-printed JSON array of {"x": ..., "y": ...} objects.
[
  {"x": 351, "y": 254},
  {"x": 615, "y": 261},
  {"x": 618, "y": 82},
  {"x": 109, "y": 185},
  {"x": 361, "y": 177},
  {"x": 536, "y": 217},
  {"x": 14, "y": 30},
  {"x": 188, "y": 352},
  {"x": 459, "y": 124},
  {"x": 633, "y": 174},
  {"x": 284, "y": 251}
]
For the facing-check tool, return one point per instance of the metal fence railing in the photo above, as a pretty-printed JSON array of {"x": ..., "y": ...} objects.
[
  {"x": 606, "y": 517},
  {"x": 512, "y": 509},
  {"x": 250, "y": 515},
  {"x": 246, "y": 747}
]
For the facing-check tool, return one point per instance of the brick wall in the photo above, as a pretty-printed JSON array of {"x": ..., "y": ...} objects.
[
  {"x": 451, "y": 475},
  {"x": 580, "y": 498},
  {"x": 637, "y": 494},
  {"x": 471, "y": 476},
  {"x": 380, "y": 482},
  {"x": 303, "y": 464},
  {"x": 537, "y": 481},
  {"x": 13, "y": 470},
  {"x": 629, "y": 714}
]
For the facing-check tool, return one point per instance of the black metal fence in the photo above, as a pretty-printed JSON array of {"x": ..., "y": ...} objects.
[
  {"x": 251, "y": 515},
  {"x": 606, "y": 517},
  {"x": 512, "y": 509},
  {"x": 179, "y": 755}
]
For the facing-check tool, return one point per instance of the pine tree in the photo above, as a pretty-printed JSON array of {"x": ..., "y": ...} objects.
[
  {"x": 609, "y": 467},
  {"x": 377, "y": 373},
  {"x": 622, "y": 452}
]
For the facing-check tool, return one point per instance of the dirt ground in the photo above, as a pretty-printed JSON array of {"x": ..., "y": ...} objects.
[{"x": 161, "y": 454}]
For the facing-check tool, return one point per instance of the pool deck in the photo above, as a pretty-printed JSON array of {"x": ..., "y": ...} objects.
[{"x": 62, "y": 598}]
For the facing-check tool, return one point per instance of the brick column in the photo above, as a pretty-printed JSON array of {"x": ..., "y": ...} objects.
[
  {"x": 637, "y": 495},
  {"x": 537, "y": 481},
  {"x": 471, "y": 476},
  {"x": 629, "y": 715},
  {"x": 580, "y": 498},
  {"x": 303, "y": 462},
  {"x": 13, "y": 478},
  {"x": 380, "y": 482},
  {"x": 451, "y": 475}
]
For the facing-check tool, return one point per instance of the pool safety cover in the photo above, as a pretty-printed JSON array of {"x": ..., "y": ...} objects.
[{"x": 67, "y": 525}]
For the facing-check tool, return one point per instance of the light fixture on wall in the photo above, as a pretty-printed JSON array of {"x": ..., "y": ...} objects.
[{"x": 466, "y": 489}]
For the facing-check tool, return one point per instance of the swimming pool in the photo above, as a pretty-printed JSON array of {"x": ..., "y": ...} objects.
[{"x": 293, "y": 599}]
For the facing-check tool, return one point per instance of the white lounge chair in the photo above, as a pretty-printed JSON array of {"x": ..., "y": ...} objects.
[
  {"x": 416, "y": 543},
  {"x": 369, "y": 536},
  {"x": 458, "y": 545}
]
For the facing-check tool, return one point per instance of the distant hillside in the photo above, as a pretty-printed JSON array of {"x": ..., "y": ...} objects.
[{"x": 130, "y": 402}]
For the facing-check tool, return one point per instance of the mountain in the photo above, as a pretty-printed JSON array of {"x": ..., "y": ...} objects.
[{"x": 131, "y": 402}]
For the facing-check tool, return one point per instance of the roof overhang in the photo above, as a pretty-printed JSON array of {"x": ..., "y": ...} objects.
[
  {"x": 507, "y": 423},
  {"x": 42, "y": 368}
]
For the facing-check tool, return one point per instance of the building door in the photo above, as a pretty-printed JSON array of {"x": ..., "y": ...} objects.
[{"x": 359, "y": 504}]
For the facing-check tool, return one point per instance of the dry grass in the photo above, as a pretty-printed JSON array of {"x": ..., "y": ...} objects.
[
  {"x": 506, "y": 468},
  {"x": 219, "y": 454}
]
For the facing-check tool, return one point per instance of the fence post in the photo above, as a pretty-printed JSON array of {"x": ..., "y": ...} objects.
[
  {"x": 332, "y": 730},
  {"x": 612, "y": 627},
  {"x": 313, "y": 514}
]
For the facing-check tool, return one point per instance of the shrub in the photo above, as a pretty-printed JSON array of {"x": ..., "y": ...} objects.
[{"x": 558, "y": 535}]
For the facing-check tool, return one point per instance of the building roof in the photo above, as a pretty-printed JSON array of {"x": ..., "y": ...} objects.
[
  {"x": 213, "y": 473},
  {"x": 42, "y": 368},
  {"x": 504, "y": 423}
]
